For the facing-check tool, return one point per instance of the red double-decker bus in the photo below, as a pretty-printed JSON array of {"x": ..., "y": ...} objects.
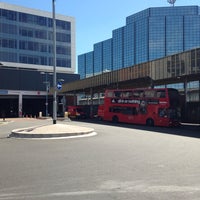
[{"x": 153, "y": 107}]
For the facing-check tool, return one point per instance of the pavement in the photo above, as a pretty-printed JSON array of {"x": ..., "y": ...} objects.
[{"x": 57, "y": 130}]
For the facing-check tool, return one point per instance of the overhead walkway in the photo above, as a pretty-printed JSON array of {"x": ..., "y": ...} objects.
[{"x": 183, "y": 67}]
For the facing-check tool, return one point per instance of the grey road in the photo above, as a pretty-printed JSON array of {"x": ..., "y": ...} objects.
[{"x": 120, "y": 162}]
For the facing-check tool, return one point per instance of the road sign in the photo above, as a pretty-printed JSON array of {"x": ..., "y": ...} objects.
[{"x": 59, "y": 85}]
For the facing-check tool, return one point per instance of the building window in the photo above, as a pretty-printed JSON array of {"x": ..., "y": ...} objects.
[{"x": 8, "y": 14}]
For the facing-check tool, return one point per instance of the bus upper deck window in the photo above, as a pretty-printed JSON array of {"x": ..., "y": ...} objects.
[
  {"x": 161, "y": 94},
  {"x": 149, "y": 93},
  {"x": 110, "y": 94},
  {"x": 117, "y": 94}
]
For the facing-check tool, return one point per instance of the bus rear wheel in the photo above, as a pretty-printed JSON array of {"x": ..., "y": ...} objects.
[
  {"x": 150, "y": 122},
  {"x": 115, "y": 119},
  {"x": 99, "y": 118}
]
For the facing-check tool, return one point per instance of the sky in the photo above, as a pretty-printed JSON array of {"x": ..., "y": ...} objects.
[{"x": 95, "y": 19}]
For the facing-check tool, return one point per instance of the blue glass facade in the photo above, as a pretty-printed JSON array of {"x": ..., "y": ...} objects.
[
  {"x": 191, "y": 32},
  {"x": 89, "y": 63},
  {"x": 129, "y": 45},
  {"x": 26, "y": 36},
  {"x": 174, "y": 35},
  {"x": 157, "y": 37},
  {"x": 150, "y": 34},
  {"x": 98, "y": 58},
  {"x": 118, "y": 44},
  {"x": 107, "y": 55},
  {"x": 82, "y": 66},
  {"x": 141, "y": 42}
]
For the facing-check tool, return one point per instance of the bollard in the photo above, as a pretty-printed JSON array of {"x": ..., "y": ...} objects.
[
  {"x": 66, "y": 114},
  {"x": 40, "y": 114}
]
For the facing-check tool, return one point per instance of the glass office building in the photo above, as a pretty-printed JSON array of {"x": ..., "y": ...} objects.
[
  {"x": 89, "y": 59},
  {"x": 148, "y": 35},
  {"x": 107, "y": 55},
  {"x": 98, "y": 57},
  {"x": 26, "y": 39},
  {"x": 26, "y": 59}
]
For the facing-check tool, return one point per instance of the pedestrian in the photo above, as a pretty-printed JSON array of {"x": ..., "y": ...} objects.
[{"x": 3, "y": 115}]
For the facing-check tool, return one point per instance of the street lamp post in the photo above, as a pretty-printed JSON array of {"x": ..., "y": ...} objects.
[
  {"x": 47, "y": 83},
  {"x": 54, "y": 66}
]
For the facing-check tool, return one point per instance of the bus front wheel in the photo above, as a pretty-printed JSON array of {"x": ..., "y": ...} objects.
[
  {"x": 115, "y": 119},
  {"x": 150, "y": 122}
]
